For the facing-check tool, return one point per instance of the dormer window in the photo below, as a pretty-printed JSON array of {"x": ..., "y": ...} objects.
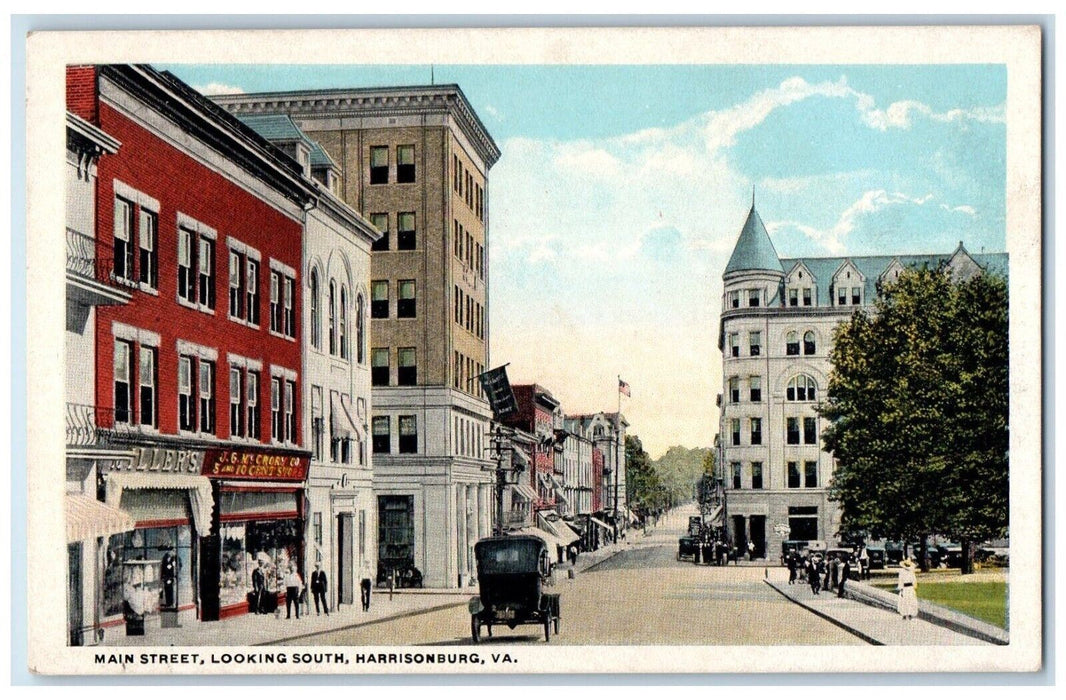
[
  {"x": 793, "y": 297},
  {"x": 807, "y": 296},
  {"x": 842, "y": 296},
  {"x": 856, "y": 295}
]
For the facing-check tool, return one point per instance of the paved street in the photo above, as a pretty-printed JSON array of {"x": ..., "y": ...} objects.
[{"x": 641, "y": 595}]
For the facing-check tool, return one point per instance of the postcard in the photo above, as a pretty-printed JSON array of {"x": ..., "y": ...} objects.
[{"x": 535, "y": 350}]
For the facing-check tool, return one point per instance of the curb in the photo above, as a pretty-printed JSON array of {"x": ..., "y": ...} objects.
[
  {"x": 828, "y": 618},
  {"x": 368, "y": 623}
]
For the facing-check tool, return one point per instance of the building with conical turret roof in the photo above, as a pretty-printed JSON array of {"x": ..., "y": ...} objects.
[{"x": 775, "y": 336}]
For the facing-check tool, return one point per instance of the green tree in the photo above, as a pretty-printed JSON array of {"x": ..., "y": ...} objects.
[
  {"x": 644, "y": 488},
  {"x": 917, "y": 400},
  {"x": 679, "y": 469}
]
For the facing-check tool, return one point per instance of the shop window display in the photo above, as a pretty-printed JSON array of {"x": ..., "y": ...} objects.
[
  {"x": 133, "y": 566},
  {"x": 244, "y": 545}
]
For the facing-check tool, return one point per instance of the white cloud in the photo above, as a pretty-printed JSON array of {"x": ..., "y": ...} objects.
[
  {"x": 962, "y": 209},
  {"x": 218, "y": 89},
  {"x": 899, "y": 115}
]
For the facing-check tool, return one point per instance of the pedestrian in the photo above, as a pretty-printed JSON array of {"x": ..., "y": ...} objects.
[
  {"x": 845, "y": 572},
  {"x": 258, "y": 587},
  {"x": 814, "y": 575},
  {"x": 293, "y": 586},
  {"x": 318, "y": 588},
  {"x": 790, "y": 560},
  {"x": 751, "y": 551},
  {"x": 907, "y": 587},
  {"x": 834, "y": 571},
  {"x": 364, "y": 587},
  {"x": 864, "y": 564},
  {"x": 826, "y": 568}
]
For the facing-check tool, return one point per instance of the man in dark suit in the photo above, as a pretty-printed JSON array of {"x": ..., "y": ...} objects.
[
  {"x": 318, "y": 588},
  {"x": 258, "y": 587}
]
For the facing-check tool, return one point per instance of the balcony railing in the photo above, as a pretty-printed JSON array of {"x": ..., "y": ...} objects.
[
  {"x": 92, "y": 426},
  {"x": 83, "y": 260}
]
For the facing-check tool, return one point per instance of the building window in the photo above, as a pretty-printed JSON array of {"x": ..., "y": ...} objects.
[
  {"x": 360, "y": 329},
  {"x": 734, "y": 344},
  {"x": 379, "y": 299},
  {"x": 206, "y": 278},
  {"x": 123, "y": 385},
  {"x": 186, "y": 402},
  {"x": 753, "y": 297},
  {"x": 793, "y": 475},
  {"x": 734, "y": 390},
  {"x": 277, "y": 430},
  {"x": 405, "y": 164},
  {"x": 793, "y": 297},
  {"x": 735, "y": 430},
  {"x": 236, "y": 284},
  {"x": 736, "y": 474},
  {"x": 408, "y": 435},
  {"x": 290, "y": 306},
  {"x": 457, "y": 298},
  {"x": 800, "y": 388},
  {"x": 808, "y": 343},
  {"x": 381, "y": 434},
  {"x": 407, "y": 370},
  {"x": 236, "y": 407},
  {"x": 810, "y": 475},
  {"x": 756, "y": 431},
  {"x": 856, "y": 295},
  {"x": 332, "y": 312},
  {"x": 207, "y": 397},
  {"x": 755, "y": 387},
  {"x": 381, "y": 223},
  {"x": 123, "y": 240},
  {"x": 405, "y": 231},
  {"x": 290, "y": 412},
  {"x": 252, "y": 291},
  {"x": 807, "y": 296},
  {"x": 252, "y": 389},
  {"x": 316, "y": 324},
  {"x": 405, "y": 303},
  {"x": 147, "y": 381},
  {"x": 756, "y": 475},
  {"x": 343, "y": 332},
  {"x": 810, "y": 431},
  {"x": 149, "y": 254},
  {"x": 186, "y": 283},
  {"x": 275, "y": 301},
  {"x": 792, "y": 343},
  {"x": 755, "y": 343},
  {"x": 842, "y": 296},
  {"x": 379, "y": 366},
  {"x": 734, "y": 300},
  {"x": 379, "y": 165},
  {"x": 792, "y": 431}
]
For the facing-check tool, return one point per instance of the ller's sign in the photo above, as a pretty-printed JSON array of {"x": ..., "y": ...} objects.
[{"x": 238, "y": 464}]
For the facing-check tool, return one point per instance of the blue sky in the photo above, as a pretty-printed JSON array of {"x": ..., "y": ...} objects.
[{"x": 621, "y": 191}]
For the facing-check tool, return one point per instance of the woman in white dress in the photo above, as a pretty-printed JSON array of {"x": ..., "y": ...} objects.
[{"x": 907, "y": 586}]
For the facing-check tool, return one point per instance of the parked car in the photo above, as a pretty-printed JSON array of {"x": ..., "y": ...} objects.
[
  {"x": 687, "y": 547},
  {"x": 789, "y": 546},
  {"x": 949, "y": 554},
  {"x": 893, "y": 552},
  {"x": 512, "y": 572},
  {"x": 877, "y": 557}
]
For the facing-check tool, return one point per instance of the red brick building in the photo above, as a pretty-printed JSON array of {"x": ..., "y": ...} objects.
[{"x": 196, "y": 431}]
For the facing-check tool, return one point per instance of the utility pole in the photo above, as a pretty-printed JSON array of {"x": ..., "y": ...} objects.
[{"x": 497, "y": 444}]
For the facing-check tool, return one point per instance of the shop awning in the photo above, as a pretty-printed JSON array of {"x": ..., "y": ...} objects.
[
  {"x": 341, "y": 421},
  {"x": 198, "y": 487},
  {"x": 716, "y": 517},
  {"x": 548, "y": 537},
  {"x": 88, "y": 518},
  {"x": 239, "y": 506},
  {"x": 599, "y": 522},
  {"x": 545, "y": 480},
  {"x": 526, "y": 492},
  {"x": 558, "y": 528}
]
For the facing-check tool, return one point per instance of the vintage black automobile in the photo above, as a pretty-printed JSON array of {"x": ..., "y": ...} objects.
[
  {"x": 688, "y": 547},
  {"x": 511, "y": 574}
]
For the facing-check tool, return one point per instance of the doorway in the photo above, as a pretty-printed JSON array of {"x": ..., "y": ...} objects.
[
  {"x": 75, "y": 617},
  {"x": 758, "y": 536},
  {"x": 345, "y": 537}
]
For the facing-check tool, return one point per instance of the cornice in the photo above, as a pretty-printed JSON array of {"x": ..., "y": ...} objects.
[{"x": 376, "y": 102}]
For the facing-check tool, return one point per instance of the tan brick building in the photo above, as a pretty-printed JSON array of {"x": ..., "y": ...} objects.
[{"x": 415, "y": 161}]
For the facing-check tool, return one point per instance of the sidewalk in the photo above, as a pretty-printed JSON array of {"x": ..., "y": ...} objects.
[
  {"x": 251, "y": 630},
  {"x": 873, "y": 624}
]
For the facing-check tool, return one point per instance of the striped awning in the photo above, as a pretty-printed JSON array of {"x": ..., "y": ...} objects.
[
  {"x": 526, "y": 492},
  {"x": 88, "y": 518},
  {"x": 716, "y": 517},
  {"x": 558, "y": 528},
  {"x": 548, "y": 537},
  {"x": 599, "y": 522},
  {"x": 201, "y": 500}
]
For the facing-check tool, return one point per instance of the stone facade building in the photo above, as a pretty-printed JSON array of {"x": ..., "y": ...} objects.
[{"x": 777, "y": 321}]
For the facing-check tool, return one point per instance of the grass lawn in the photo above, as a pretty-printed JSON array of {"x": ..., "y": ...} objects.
[{"x": 984, "y": 600}]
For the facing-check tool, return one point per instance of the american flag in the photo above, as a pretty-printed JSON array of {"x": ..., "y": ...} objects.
[{"x": 623, "y": 388}]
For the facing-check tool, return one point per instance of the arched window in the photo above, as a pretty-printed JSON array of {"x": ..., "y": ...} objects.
[
  {"x": 360, "y": 329},
  {"x": 332, "y": 318},
  {"x": 801, "y": 388},
  {"x": 792, "y": 343},
  {"x": 808, "y": 343},
  {"x": 316, "y": 324},
  {"x": 344, "y": 323}
]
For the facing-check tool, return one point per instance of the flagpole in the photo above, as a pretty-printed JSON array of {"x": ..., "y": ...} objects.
[{"x": 618, "y": 458}]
